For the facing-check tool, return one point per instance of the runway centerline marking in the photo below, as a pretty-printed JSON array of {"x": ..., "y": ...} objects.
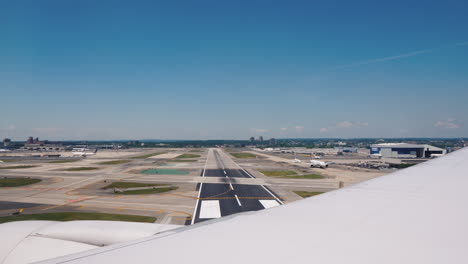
[{"x": 238, "y": 201}]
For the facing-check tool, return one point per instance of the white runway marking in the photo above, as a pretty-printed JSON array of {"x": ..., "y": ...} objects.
[
  {"x": 238, "y": 201},
  {"x": 210, "y": 209},
  {"x": 269, "y": 203}
]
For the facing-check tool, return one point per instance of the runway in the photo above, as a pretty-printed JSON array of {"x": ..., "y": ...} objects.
[{"x": 222, "y": 199}]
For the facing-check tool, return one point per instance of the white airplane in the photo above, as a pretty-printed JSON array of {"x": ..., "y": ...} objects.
[
  {"x": 375, "y": 156},
  {"x": 4, "y": 150},
  {"x": 318, "y": 164},
  {"x": 395, "y": 218},
  {"x": 83, "y": 152},
  {"x": 296, "y": 160}
]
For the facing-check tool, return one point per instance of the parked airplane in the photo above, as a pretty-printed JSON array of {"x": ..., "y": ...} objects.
[
  {"x": 375, "y": 156},
  {"x": 83, "y": 152},
  {"x": 395, "y": 218},
  {"x": 318, "y": 164}
]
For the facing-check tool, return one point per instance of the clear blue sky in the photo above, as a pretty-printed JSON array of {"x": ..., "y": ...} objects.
[{"x": 233, "y": 69}]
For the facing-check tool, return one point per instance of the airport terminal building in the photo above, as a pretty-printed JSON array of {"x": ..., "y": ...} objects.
[{"x": 405, "y": 150}]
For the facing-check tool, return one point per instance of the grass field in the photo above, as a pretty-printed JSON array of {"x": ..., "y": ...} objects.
[
  {"x": 69, "y": 216},
  {"x": 9, "y": 160},
  {"x": 81, "y": 169},
  {"x": 14, "y": 182},
  {"x": 150, "y": 191},
  {"x": 62, "y": 161},
  {"x": 188, "y": 156},
  {"x": 148, "y": 155},
  {"x": 130, "y": 185},
  {"x": 196, "y": 150},
  {"x": 305, "y": 194},
  {"x": 307, "y": 176},
  {"x": 278, "y": 173},
  {"x": 114, "y": 162},
  {"x": 17, "y": 167},
  {"x": 164, "y": 171},
  {"x": 243, "y": 155},
  {"x": 183, "y": 160}
]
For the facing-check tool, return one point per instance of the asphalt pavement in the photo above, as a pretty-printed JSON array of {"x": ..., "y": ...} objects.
[{"x": 227, "y": 198}]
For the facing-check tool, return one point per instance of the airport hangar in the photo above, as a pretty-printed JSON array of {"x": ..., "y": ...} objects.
[{"x": 405, "y": 150}]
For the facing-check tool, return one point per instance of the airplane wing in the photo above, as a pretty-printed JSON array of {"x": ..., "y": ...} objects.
[{"x": 416, "y": 215}]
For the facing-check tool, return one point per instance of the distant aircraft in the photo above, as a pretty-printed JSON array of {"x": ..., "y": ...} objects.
[
  {"x": 375, "y": 156},
  {"x": 4, "y": 150},
  {"x": 83, "y": 152},
  {"x": 296, "y": 160},
  {"x": 318, "y": 164}
]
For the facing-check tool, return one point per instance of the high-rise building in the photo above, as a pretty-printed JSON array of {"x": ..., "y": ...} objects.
[
  {"x": 260, "y": 139},
  {"x": 272, "y": 141},
  {"x": 6, "y": 142},
  {"x": 252, "y": 139}
]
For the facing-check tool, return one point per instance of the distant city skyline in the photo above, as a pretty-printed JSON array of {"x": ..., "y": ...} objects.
[{"x": 101, "y": 70}]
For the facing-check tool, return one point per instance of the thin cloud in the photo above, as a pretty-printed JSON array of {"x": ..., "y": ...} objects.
[
  {"x": 449, "y": 123},
  {"x": 390, "y": 58},
  {"x": 299, "y": 129},
  {"x": 462, "y": 44},
  {"x": 47, "y": 130},
  {"x": 401, "y": 56},
  {"x": 344, "y": 125},
  {"x": 259, "y": 130},
  {"x": 324, "y": 129},
  {"x": 8, "y": 128}
]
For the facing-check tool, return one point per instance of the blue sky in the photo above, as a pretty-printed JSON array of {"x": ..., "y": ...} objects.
[{"x": 233, "y": 69}]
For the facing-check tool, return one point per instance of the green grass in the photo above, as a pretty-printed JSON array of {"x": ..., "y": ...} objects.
[
  {"x": 81, "y": 169},
  {"x": 17, "y": 167},
  {"x": 14, "y": 182},
  {"x": 148, "y": 155},
  {"x": 196, "y": 150},
  {"x": 114, "y": 162},
  {"x": 130, "y": 185},
  {"x": 149, "y": 191},
  {"x": 183, "y": 160},
  {"x": 307, "y": 176},
  {"x": 305, "y": 194},
  {"x": 278, "y": 173},
  {"x": 164, "y": 171},
  {"x": 188, "y": 156},
  {"x": 63, "y": 161},
  {"x": 9, "y": 160},
  {"x": 243, "y": 155},
  {"x": 69, "y": 216}
]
